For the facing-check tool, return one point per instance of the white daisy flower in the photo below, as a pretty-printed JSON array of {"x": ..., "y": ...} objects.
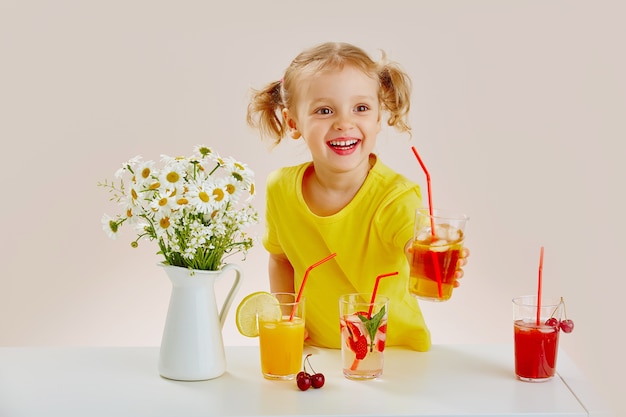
[{"x": 110, "y": 226}]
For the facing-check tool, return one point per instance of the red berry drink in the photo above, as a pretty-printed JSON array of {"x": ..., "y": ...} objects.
[
  {"x": 435, "y": 256},
  {"x": 536, "y": 336},
  {"x": 536, "y": 349},
  {"x": 362, "y": 337}
]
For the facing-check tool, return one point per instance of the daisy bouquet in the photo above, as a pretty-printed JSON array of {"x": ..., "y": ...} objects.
[{"x": 195, "y": 207}]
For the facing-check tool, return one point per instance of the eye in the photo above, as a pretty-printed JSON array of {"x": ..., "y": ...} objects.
[
  {"x": 361, "y": 108},
  {"x": 323, "y": 110}
]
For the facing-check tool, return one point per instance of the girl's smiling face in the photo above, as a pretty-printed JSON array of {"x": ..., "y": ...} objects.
[{"x": 337, "y": 113}]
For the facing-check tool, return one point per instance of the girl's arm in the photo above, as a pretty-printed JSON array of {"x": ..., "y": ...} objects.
[{"x": 281, "y": 274}]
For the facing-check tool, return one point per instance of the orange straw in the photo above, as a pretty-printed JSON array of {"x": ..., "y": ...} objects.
[
  {"x": 306, "y": 275},
  {"x": 369, "y": 312},
  {"x": 432, "y": 220},
  {"x": 539, "y": 287}
]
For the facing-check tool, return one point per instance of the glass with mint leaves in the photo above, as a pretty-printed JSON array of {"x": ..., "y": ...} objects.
[{"x": 363, "y": 322}]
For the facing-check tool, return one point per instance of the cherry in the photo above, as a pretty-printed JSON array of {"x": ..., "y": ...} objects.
[
  {"x": 567, "y": 325},
  {"x": 552, "y": 322},
  {"x": 306, "y": 380},
  {"x": 303, "y": 380},
  {"x": 317, "y": 380}
]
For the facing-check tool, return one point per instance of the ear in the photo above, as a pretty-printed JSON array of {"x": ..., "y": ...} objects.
[{"x": 291, "y": 124}]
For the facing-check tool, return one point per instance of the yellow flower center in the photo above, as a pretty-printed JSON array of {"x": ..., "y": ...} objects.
[
  {"x": 203, "y": 196},
  {"x": 155, "y": 185},
  {"x": 164, "y": 222},
  {"x": 145, "y": 173},
  {"x": 172, "y": 177},
  {"x": 133, "y": 194},
  {"x": 219, "y": 194},
  {"x": 162, "y": 202},
  {"x": 230, "y": 188},
  {"x": 182, "y": 201}
]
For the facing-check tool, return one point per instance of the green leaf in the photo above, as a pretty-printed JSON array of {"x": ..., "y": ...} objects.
[{"x": 372, "y": 325}]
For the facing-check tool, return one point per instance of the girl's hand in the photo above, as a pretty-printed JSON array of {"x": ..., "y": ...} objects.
[{"x": 459, "y": 267}]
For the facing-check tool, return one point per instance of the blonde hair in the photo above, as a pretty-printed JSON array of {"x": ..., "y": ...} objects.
[{"x": 266, "y": 105}]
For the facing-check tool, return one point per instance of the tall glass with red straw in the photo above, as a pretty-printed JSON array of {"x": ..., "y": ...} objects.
[
  {"x": 536, "y": 333},
  {"x": 363, "y": 323},
  {"x": 436, "y": 248}
]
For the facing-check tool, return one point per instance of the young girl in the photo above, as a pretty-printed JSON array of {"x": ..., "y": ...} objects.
[{"x": 345, "y": 201}]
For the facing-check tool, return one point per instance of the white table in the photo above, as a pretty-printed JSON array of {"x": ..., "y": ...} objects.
[{"x": 450, "y": 380}]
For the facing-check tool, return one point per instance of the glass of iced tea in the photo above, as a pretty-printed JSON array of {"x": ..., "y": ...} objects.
[
  {"x": 435, "y": 254},
  {"x": 281, "y": 338},
  {"x": 363, "y": 332},
  {"x": 536, "y": 337}
]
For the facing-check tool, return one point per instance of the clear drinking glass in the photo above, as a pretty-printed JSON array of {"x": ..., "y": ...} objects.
[
  {"x": 363, "y": 333},
  {"x": 435, "y": 256},
  {"x": 536, "y": 338},
  {"x": 281, "y": 340}
]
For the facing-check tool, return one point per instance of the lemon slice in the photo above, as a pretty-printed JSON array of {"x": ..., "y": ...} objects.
[{"x": 259, "y": 303}]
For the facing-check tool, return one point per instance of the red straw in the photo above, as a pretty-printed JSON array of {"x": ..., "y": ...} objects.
[
  {"x": 306, "y": 275},
  {"x": 430, "y": 194},
  {"x": 432, "y": 220},
  {"x": 355, "y": 363},
  {"x": 539, "y": 287},
  {"x": 369, "y": 312}
]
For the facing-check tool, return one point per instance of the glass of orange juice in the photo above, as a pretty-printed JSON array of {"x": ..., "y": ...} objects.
[{"x": 281, "y": 339}]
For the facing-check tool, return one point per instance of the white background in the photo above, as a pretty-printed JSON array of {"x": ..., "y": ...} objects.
[{"x": 518, "y": 111}]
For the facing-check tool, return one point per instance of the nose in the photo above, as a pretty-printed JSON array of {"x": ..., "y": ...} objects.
[{"x": 343, "y": 121}]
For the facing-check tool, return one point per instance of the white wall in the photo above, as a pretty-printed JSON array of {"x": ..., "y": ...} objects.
[{"x": 518, "y": 111}]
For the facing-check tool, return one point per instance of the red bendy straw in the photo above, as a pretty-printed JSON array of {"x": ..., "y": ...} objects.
[
  {"x": 539, "y": 285},
  {"x": 432, "y": 219},
  {"x": 369, "y": 312},
  {"x": 430, "y": 194},
  {"x": 306, "y": 275}
]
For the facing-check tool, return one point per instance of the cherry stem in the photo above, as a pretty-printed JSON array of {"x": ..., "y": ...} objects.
[
  {"x": 554, "y": 311},
  {"x": 564, "y": 309},
  {"x": 561, "y": 303},
  {"x": 306, "y": 358}
]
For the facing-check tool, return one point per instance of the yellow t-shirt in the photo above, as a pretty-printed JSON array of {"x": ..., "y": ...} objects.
[{"x": 368, "y": 236}]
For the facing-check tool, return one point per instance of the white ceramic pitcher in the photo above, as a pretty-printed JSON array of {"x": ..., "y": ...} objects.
[{"x": 192, "y": 348}]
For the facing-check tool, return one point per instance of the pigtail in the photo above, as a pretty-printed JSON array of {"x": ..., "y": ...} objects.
[
  {"x": 264, "y": 112},
  {"x": 395, "y": 95}
]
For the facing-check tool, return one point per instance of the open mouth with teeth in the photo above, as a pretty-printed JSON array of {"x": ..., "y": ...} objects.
[{"x": 343, "y": 144}]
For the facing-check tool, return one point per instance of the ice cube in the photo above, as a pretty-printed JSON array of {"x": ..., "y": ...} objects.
[
  {"x": 440, "y": 245},
  {"x": 423, "y": 235},
  {"x": 441, "y": 230},
  {"x": 454, "y": 234}
]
